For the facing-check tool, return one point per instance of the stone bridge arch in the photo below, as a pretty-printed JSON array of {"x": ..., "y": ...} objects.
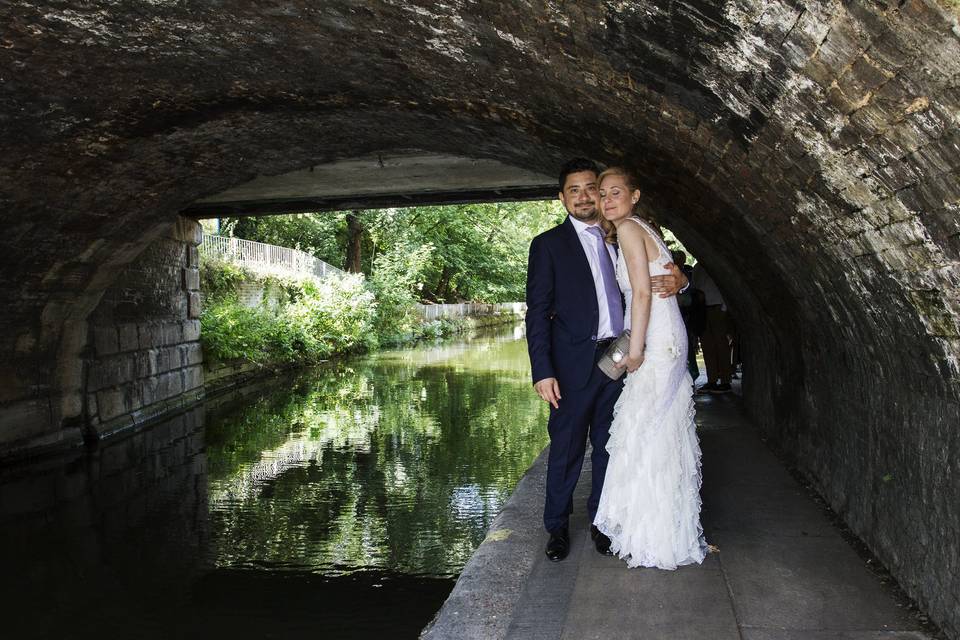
[{"x": 808, "y": 152}]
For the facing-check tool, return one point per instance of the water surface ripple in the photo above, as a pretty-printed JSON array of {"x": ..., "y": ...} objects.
[{"x": 339, "y": 503}]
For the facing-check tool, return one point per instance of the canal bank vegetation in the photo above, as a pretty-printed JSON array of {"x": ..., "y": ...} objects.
[
  {"x": 394, "y": 259},
  {"x": 300, "y": 320},
  {"x": 297, "y": 320}
]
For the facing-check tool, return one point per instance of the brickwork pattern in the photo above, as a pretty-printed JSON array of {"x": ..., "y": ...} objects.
[{"x": 145, "y": 336}]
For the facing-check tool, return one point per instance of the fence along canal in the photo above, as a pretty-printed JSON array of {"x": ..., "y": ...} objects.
[{"x": 270, "y": 259}]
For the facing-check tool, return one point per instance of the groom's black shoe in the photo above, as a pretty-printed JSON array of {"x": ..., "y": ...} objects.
[
  {"x": 601, "y": 541},
  {"x": 559, "y": 544}
]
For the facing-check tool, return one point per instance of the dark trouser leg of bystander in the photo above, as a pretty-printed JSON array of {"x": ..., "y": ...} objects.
[
  {"x": 692, "y": 347},
  {"x": 716, "y": 346},
  {"x": 735, "y": 358}
]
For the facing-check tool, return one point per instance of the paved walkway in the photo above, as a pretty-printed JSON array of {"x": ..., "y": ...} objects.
[{"x": 783, "y": 572}]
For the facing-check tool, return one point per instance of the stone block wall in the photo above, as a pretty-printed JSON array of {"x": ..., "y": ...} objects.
[
  {"x": 144, "y": 356},
  {"x": 255, "y": 293},
  {"x": 879, "y": 439}
]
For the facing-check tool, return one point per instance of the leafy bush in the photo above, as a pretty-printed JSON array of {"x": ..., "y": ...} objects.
[
  {"x": 442, "y": 327},
  {"x": 313, "y": 320},
  {"x": 219, "y": 279},
  {"x": 396, "y": 285},
  {"x": 230, "y": 331}
]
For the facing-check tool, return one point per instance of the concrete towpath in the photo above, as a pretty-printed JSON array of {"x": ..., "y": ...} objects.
[{"x": 782, "y": 572}]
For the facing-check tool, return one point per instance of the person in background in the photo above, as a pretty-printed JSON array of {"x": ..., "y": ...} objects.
[
  {"x": 692, "y": 312},
  {"x": 714, "y": 337},
  {"x": 736, "y": 359}
]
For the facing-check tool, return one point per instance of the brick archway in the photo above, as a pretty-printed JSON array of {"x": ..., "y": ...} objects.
[{"x": 808, "y": 152}]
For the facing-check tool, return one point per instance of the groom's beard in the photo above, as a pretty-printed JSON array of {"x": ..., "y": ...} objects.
[{"x": 586, "y": 215}]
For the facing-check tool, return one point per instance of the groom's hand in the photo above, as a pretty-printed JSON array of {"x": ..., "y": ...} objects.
[
  {"x": 548, "y": 390},
  {"x": 669, "y": 284}
]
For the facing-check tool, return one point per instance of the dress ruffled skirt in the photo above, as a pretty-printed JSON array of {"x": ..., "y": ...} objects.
[{"x": 650, "y": 505}]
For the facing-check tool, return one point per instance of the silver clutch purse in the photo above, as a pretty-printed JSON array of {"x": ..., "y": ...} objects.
[{"x": 617, "y": 351}]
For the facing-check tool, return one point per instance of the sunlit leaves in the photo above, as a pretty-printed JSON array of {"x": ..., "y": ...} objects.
[
  {"x": 473, "y": 252},
  {"x": 312, "y": 321}
]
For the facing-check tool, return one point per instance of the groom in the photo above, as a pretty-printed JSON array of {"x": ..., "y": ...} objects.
[{"x": 574, "y": 311}]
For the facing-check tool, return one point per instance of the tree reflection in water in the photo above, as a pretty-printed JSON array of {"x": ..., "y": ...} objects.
[
  {"x": 397, "y": 462},
  {"x": 336, "y": 505}
]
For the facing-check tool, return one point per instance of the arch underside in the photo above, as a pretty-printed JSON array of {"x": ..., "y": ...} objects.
[{"x": 808, "y": 153}]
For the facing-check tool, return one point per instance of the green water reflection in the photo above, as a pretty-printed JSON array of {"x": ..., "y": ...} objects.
[{"x": 398, "y": 461}]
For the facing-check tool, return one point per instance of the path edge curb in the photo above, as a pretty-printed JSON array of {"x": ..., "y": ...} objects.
[{"x": 482, "y": 602}]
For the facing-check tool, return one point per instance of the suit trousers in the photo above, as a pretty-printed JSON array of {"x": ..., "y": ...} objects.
[
  {"x": 716, "y": 346},
  {"x": 582, "y": 413}
]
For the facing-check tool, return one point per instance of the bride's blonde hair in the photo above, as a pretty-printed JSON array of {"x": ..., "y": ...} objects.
[{"x": 632, "y": 185}]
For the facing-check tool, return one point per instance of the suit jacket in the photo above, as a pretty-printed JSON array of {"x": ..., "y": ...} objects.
[{"x": 562, "y": 313}]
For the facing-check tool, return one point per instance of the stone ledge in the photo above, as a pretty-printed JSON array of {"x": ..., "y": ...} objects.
[
  {"x": 146, "y": 416},
  {"x": 50, "y": 443},
  {"x": 222, "y": 376},
  {"x": 481, "y": 605}
]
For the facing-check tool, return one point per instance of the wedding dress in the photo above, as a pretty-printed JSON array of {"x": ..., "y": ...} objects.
[{"x": 650, "y": 505}]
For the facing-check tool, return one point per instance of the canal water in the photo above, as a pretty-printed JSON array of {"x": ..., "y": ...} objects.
[{"x": 339, "y": 503}]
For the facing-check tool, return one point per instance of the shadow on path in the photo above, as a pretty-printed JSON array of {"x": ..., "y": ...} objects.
[{"x": 782, "y": 572}]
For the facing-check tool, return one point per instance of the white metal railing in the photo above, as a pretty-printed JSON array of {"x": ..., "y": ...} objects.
[
  {"x": 434, "y": 311},
  {"x": 265, "y": 258}
]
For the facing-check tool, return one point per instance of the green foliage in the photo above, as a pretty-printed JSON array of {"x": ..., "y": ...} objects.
[
  {"x": 320, "y": 234},
  {"x": 442, "y": 327},
  {"x": 475, "y": 252},
  {"x": 339, "y": 312},
  {"x": 479, "y": 251},
  {"x": 230, "y": 331},
  {"x": 396, "y": 283},
  {"x": 312, "y": 320},
  {"x": 675, "y": 245},
  {"x": 219, "y": 279}
]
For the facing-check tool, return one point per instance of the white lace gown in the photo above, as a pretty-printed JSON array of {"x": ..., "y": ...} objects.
[{"x": 650, "y": 505}]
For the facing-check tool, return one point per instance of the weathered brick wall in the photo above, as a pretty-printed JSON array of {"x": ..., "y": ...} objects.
[
  {"x": 144, "y": 348},
  {"x": 885, "y": 455}
]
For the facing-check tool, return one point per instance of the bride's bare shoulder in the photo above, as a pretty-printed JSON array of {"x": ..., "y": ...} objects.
[
  {"x": 629, "y": 233},
  {"x": 631, "y": 238},
  {"x": 637, "y": 234}
]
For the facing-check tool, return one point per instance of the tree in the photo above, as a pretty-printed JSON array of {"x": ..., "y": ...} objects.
[
  {"x": 354, "y": 240},
  {"x": 319, "y": 234},
  {"x": 473, "y": 252}
]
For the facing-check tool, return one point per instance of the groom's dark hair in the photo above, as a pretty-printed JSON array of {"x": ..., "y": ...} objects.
[{"x": 576, "y": 165}]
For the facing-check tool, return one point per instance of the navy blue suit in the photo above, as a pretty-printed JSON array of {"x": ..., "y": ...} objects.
[{"x": 562, "y": 319}]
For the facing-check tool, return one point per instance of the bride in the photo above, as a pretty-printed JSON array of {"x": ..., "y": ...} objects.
[{"x": 650, "y": 505}]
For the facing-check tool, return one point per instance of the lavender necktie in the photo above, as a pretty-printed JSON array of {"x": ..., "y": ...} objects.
[{"x": 610, "y": 287}]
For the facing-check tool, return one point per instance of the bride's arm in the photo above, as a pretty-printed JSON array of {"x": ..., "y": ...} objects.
[{"x": 632, "y": 241}]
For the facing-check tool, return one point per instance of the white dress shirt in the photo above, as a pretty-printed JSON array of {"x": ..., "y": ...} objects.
[{"x": 589, "y": 243}]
